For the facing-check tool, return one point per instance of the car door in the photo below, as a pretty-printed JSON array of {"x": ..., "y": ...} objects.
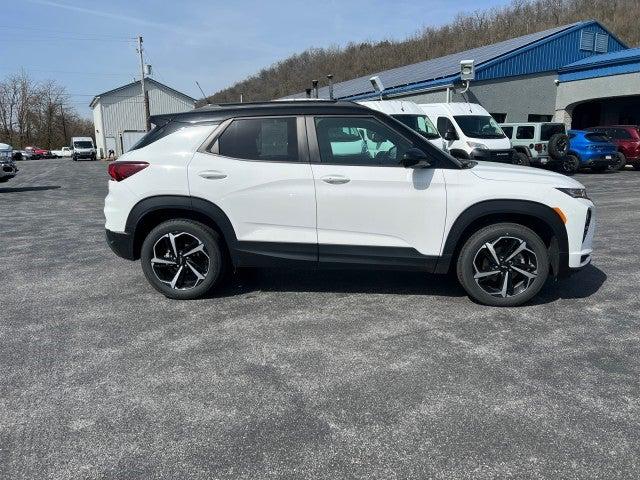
[
  {"x": 370, "y": 208},
  {"x": 257, "y": 171}
]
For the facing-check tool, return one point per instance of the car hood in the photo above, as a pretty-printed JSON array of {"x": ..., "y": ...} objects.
[{"x": 514, "y": 173}]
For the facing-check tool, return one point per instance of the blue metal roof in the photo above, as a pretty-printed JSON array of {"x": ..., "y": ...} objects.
[
  {"x": 605, "y": 65},
  {"x": 622, "y": 56},
  {"x": 534, "y": 53}
]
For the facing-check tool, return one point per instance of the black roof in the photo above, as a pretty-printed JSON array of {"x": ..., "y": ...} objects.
[{"x": 211, "y": 113}]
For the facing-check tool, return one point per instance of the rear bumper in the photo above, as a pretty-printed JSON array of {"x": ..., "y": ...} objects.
[
  {"x": 598, "y": 160},
  {"x": 121, "y": 244}
]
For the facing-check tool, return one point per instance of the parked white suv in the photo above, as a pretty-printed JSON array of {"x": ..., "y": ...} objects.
[
  {"x": 411, "y": 115},
  {"x": 280, "y": 183},
  {"x": 470, "y": 132}
]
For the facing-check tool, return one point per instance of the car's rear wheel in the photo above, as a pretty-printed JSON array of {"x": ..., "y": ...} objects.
[
  {"x": 621, "y": 161},
  {"x": 569, "y": 164},
  {"x": 520, "y": 158},
  {"x": 503, "y": 265},
  {"x": 183, "y": 259}
]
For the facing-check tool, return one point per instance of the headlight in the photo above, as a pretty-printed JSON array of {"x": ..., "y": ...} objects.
[
  {"x": 575, "y": 192},
  {"x": 479, "y": 146}
]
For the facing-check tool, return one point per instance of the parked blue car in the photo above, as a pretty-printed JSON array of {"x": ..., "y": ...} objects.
[{"x": 593, "y": 150}]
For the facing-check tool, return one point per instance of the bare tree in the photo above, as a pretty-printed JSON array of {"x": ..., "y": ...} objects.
[{"x": 39, "y": 114}]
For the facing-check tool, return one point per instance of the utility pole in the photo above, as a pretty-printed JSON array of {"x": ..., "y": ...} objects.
[
  {"x": 64, "y": 124},
  {"x": 145, "y": 95}
]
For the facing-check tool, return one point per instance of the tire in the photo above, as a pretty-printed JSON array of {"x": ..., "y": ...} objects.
[
  {"x": 75, "y": 159},
  {"x": 505, "y": 238},
  {"x": 620, "y": 164},
  {"x": 520, "y": 158},
  {"x": 175, "y": 276},
  {"x": 5, "y": 179},
  {"x": 636, "y": 166},
  {"x": 569, "y": 164},
  {"x": 558, "y": 145}
]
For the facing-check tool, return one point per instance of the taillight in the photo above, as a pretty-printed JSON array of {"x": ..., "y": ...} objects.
[
  {"x": 538, "y": 147},
  {"x": 121, "y": 170}
]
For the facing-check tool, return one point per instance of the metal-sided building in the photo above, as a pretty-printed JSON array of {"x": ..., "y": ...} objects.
[
  {"x": 516, "y": 80},
  {"x": 118, "y": 115}
]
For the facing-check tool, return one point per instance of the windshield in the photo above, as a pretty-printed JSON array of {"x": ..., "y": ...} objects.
[
  {"x": 479, "y": 126},
  {"x": 83, "y": 144},
  {"x": 419, "y": 123}
]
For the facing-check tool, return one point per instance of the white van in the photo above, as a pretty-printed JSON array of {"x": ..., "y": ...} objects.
[
  {"x": 411, "y": 115},
  {"x": 470, "y": 131},
  {"x": 83, "y": 147}
]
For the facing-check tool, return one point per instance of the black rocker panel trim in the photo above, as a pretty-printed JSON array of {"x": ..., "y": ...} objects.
[
  {"x": 357, "y": 256},
  {"x": 535, "y": 210},
  {"x": 273, "y": 254}
]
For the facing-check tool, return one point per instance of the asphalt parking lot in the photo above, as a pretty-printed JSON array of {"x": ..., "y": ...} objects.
[{"x": 305, "y": 374}]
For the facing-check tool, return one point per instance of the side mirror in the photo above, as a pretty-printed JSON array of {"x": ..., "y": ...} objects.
[
  {"x": 415, "y": 158},
  {"x": 450, "y": 135}
]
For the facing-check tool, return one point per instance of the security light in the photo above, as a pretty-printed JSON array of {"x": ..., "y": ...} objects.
[
  {"x": 377, "y": 83},
  {"x": 467, "y": 70}
]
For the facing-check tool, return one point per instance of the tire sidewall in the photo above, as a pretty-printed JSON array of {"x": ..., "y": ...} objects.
[
  {"x": 212, "y": 244},
  {"x": 491, "y": 233}
]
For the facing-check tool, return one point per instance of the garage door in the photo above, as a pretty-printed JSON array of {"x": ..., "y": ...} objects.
[{"x": 129, "y": 138}]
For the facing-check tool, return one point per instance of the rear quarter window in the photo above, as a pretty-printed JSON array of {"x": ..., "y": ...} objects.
[
  {"x": 596, "y": 137},
  {"x": 548, "y": 130},
  {"x": 157, "y": 133}
]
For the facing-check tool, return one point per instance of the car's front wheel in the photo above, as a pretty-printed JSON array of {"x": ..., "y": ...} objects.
[
  {"x": 182, "y": 259},
  {"x": 504, "y": 265}
]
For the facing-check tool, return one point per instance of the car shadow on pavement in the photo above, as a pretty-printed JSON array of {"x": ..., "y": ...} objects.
[
  {"x": 28, "y": 189},
  {"x": 340, "y": 281},
  {"x": 581, "y": 284}
]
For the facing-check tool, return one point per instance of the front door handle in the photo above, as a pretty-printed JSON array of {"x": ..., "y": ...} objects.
[
  {"x": 335, "y": 179},
  {"x": 212, "y": 175}
]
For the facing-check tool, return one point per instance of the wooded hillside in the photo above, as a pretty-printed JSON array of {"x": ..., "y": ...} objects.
[{"x": 471, "y": 30}]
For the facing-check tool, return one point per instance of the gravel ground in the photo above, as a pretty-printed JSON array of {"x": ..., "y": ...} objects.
[{"x": 305, "y": 374}]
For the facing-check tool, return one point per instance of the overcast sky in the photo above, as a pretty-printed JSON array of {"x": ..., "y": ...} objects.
[{"x": 88, "y": 46}]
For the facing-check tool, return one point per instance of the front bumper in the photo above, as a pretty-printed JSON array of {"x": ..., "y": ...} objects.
[
  {"x": 8, "y": 170},
  {"x": 502, "y": 156},
  {"x": 121, "y": 244}
]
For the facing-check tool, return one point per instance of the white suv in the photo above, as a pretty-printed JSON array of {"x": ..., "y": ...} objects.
[{"x": 297, "y": 183}]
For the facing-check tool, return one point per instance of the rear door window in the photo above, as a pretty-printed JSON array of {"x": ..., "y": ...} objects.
[{"x": 267, "y": 139}]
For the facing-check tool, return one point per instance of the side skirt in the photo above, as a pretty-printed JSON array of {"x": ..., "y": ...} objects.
[{"x": 276, "y": 254}]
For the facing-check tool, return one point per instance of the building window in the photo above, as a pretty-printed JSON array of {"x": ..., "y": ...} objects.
[
  {"x": 601, "y": 43},
  {"x": 587, "y": 40},
  {"x": 499, "y": 117},
  {"x": 535, "y": 117}
]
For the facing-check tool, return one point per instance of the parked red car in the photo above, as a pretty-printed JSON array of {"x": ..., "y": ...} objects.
[
  {"x": 38, "y": 152},
  {"x": 626, "y": 138}
]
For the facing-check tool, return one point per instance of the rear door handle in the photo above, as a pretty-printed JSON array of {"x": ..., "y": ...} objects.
[
  {"x": 212, "y": 175},
  {"x": 335, "y": 179}
]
